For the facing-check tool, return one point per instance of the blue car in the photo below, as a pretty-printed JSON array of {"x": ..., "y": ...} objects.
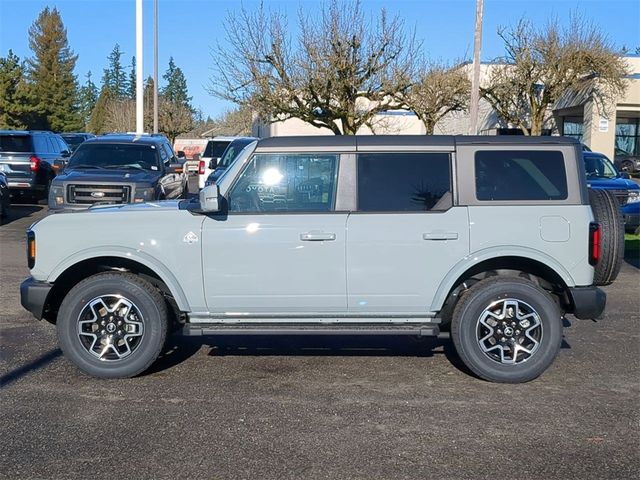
[{"x": 602, "y": 174}]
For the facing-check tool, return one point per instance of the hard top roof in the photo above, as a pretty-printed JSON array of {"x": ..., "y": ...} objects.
[{"x": 353, "y": 142}]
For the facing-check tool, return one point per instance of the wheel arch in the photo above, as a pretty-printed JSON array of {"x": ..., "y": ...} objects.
[
  {"x": 67, "y": 274},
  {"x": 532, "y": 262}
]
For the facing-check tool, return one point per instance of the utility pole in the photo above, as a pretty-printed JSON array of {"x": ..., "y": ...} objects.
[
  {"x": 155, "y": 66},
  {"x": 475, "y": 82},
  {"x": 139, "y": 63}
]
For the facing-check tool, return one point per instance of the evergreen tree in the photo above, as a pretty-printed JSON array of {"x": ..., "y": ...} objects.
[
  {"x": 98, "y": 120},
  {"x": 114, "y": 77},
  {"x": 13, "y": 93},
  {"x": 176, "y": 90},
  {"x": 88, "y": 97},
  {"x": 50, "y": 72},
  {"x": 131, "y": 83}
]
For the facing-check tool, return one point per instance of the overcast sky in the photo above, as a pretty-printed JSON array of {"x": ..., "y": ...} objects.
[{"x": 189, "y": 28}]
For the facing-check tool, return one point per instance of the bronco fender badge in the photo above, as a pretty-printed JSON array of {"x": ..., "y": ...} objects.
[{"x": 190, "y": 238}]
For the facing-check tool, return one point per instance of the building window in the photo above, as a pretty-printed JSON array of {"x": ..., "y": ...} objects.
[
  {"x": 627, "y": 136},
  {"x": 572, "y": 127}
]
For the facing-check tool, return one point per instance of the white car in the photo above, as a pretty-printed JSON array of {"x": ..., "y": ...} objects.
[{"x": 210, "y": 157}]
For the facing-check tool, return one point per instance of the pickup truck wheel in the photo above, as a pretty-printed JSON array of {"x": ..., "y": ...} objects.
[
  {"x": 607, "y": 213},
  {"x": 112, "y": 325},
  {"x": 507, "y": 330}
]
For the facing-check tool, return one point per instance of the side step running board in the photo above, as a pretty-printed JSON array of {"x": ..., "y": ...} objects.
[{"x": 217, "y": 329}]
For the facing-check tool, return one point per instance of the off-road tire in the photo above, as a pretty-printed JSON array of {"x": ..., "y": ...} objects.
[
  {"x": 153, "y": 311},
  {"x": 606, "y": 211},
  {"x": 465, "y": 326}
]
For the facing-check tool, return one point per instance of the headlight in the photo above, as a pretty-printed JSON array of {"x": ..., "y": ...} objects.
[
  {"x": 144, "y": 195},
  {"x": 634, "y": 196},
  {"x": 56, "y": 195}
]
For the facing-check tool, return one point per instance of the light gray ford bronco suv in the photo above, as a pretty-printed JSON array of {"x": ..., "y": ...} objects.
[{"x": 491, "y": 238}]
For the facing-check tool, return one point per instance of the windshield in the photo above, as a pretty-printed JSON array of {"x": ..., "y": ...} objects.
[
  {"x": 215, "y": 149},
  {"x": 232, "y": 152},
  {"x": 116, "y": 156},
  {"x": 15, "y": 143},
  {"x": 599, "y": 166},
  {"x": 73, "y": 140}
]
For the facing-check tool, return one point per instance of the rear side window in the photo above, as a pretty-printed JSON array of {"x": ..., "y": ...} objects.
[
  {"x": 41, "y": 145},
  {"x": 520, "y": 175},
  {"x": 15, "y": 143},
  {"x": 215, "y": 149},
  {"x": 404, "y": 182}
]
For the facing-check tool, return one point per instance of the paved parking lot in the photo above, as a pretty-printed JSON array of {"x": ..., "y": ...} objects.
[{"x": 252, "y": 407}]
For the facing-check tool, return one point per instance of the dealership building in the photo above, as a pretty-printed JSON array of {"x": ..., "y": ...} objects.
[{"x": 613, "y": 129}]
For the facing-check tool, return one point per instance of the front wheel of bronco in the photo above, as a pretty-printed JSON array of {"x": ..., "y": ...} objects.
[
  {"x": 112, "y": 325},
  {"x": 507, "y": 330}
]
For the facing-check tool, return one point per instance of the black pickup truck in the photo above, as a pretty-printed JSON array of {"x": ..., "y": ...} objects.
[{"x": 116, "y": 169}]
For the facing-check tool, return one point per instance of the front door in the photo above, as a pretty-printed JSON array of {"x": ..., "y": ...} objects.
[{"x": 281, "y": 247}]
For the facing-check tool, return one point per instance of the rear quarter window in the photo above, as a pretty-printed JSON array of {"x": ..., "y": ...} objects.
[
  {"x": 520, "y": 175},
  {"x": 215, "y": 149}
]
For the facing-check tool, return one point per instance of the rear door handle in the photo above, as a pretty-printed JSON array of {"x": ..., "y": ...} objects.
[
  {"x": 440, "y": 236},
  {"x": 316, "y": 236}
]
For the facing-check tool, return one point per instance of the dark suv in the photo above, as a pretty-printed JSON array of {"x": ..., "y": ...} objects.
[
  {"x": 27, "y": 159},
  {"x": 118, "y": 168}
]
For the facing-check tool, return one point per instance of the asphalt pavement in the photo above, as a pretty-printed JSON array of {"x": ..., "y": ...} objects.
[{"x": 306, "y": 408}]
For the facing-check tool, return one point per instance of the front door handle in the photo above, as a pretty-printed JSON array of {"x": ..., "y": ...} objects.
[
  {"x": 316, "y": 236},
  {"x": 440, "y": 236}
]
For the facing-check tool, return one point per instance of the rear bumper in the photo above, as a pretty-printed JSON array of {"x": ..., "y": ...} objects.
[
  {"x": 33, "y": 296},
  {"x": 587, "y": 302}
]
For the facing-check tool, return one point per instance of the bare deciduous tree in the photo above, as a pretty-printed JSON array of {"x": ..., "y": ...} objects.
[
  {"x": 439, "y": 90},
  {"x": 337, "y": 73},
  {"x": 174, "y": 118},
  {"x": 542, "y": 64}
]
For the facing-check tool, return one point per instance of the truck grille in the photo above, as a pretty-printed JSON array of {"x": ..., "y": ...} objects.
[
  {"x": 621, "y": 196},
  {"x": 90, "y": 194}
]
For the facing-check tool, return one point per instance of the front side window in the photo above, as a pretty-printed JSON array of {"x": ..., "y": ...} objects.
[
  {"x": 520, "y": 175},
  {"x": 286, "y": 183},
  {"x": 404, "y": 182}
]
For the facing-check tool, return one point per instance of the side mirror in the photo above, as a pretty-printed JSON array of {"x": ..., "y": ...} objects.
[
  {"x": 196, "y": 157},
  {"x": 213, "y": 163},
  {"x": 65, "y": 154},
  {"x": 58, "y": 165},
  {"x": 181, "y": 154},
  {"x": 209, "y": 199},
  {"x": 625, "y": 175}
]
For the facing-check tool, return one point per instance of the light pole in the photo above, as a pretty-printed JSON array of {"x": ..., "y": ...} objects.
[
  {"x": 155, "y": 66},
  {"x": 139, "y": 63},
  {"x": 475, "y": 82}
]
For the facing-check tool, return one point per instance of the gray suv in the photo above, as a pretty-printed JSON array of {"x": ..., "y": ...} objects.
[
  {"x": 28, "y": 160},
  {"x": 493, "y": 238}
]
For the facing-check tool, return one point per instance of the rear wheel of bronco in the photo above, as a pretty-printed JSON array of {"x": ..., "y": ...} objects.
[
  {"x": 607, "y": 213},
  {"x": 112, "y": 325},
  {"x": 507, "y": 330}
]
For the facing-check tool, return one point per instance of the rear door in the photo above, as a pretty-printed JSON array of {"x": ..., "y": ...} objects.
[{"x": 406, "y": 234}]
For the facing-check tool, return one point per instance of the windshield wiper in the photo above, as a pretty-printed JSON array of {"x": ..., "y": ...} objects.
[{"x": 124, "y": 167}]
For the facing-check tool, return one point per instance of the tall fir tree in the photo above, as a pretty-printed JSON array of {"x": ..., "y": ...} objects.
[
  {"x": 114, "y": 77},
  {"x": 98, "y": 120},
  {"x": 14, "y": 101},
  {"x": 131, "y": 80},
  {"x": 50, "y": 72},
  {"x": 88, "y": 96},
  {"x": 175, "y": 90}
]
